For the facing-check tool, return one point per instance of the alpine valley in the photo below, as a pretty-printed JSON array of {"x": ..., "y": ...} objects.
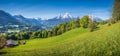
[{"x": 16, "y": 23}]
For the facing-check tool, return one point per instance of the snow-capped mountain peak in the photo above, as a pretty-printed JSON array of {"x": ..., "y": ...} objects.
[{"x": 66, "y": 15}]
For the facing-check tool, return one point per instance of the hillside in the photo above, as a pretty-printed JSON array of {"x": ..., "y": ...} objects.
[
  {"x": 6, "y": 18},
  {"x": 77, "y": 42}
]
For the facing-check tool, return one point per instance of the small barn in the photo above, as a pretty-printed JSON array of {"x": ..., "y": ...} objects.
[{"x": 11, "y": 43}]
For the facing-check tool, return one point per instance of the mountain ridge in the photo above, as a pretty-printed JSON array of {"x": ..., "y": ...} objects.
[
  {"x": 6, "y": 18},
  {"x": 20, "y": 19}
]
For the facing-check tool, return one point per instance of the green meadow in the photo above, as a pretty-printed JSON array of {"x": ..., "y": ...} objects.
[{"x": 76, "y": 42}]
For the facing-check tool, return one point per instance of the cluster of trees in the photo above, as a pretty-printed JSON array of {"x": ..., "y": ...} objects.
[
  {"x": 87, "y": 22},
  {"x": 19, "y": 36},
  {"x": 59, "y": 29},
  {"x": 84, "y": 22}
]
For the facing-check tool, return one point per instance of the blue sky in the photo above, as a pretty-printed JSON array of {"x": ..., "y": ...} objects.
[{"x": 50, "y": 8}]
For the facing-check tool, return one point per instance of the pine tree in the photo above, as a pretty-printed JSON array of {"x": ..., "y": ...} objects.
[
  {"x": 44, "y": 34},
  {"x": 116, "y": 11},
  {"x": 39, "y": 34},
  {"x": 49, "y": 33},
  {"x": 77, "y": 23},
  {"x": 92, "y": 25},
  {"x": 54, "y": 31}
]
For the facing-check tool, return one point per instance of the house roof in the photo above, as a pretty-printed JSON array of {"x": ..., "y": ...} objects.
[{"x": 10, "y": 41}]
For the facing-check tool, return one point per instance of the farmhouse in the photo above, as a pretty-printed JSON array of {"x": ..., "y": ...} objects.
[{"x": 11, "y": 43}]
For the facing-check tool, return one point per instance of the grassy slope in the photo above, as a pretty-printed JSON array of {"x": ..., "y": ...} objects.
[{"x": 77, "y": 42}]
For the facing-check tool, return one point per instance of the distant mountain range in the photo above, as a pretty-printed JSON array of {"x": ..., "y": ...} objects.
[
  {"x": 24, "y": 20},
  {"x": 6, "y": 18},
  {"x": 94, "y": 18}
]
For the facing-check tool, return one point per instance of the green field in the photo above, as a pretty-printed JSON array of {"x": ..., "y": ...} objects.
[{"x": 77, "y": 42}]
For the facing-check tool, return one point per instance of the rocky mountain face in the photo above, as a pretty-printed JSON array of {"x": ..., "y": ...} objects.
[{"x": 59, "y": 19}]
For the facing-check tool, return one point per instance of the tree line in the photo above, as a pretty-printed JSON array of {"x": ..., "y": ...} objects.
[{"x": 84, "y": 22}]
